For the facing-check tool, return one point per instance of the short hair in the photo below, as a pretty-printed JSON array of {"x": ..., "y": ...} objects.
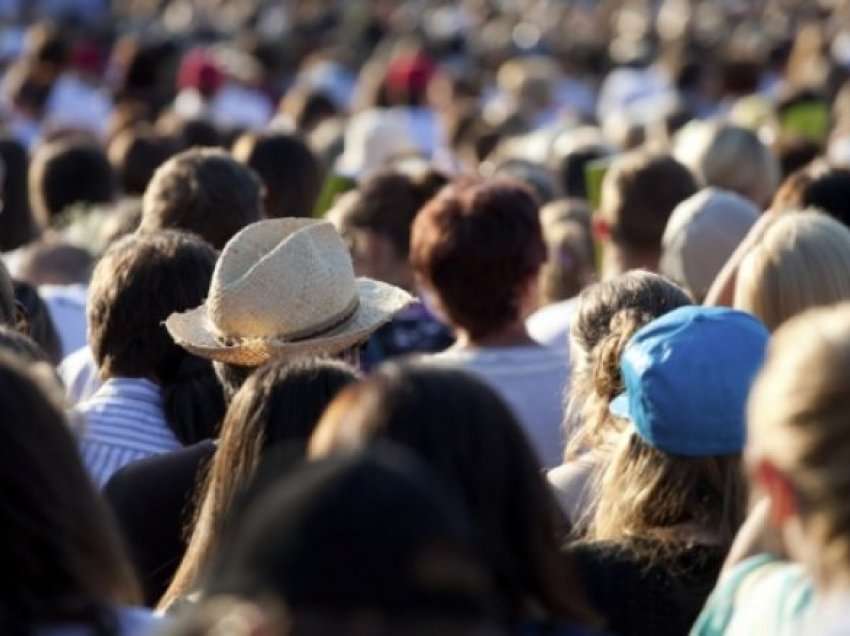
[
  {"x": 68, "y": 172},
  {"x": 17, "y": 225},
  {"x": 639, "y": 193},
  {"x": 481, "y": 236},
  {"x": 802, "y": 262},
  {"x": 288, "y": 168},
  {"x": 387, "y": 204},
  {"x": 139, "y": 282},
  {"x": 204, "y": 191},
  {"x": 135, "y": 154}
]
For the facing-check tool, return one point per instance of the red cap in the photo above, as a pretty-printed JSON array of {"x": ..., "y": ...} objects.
[{"x": 198, "y": 70}]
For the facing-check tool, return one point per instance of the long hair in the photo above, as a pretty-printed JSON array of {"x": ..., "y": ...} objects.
[
  {"x": 608, "y": 316},
  {"x": 280, "y": 403},
  {"x": 473, "y": 442},
  {"x": 644, "y": 496},
  {"x": 61, "y": 552}
]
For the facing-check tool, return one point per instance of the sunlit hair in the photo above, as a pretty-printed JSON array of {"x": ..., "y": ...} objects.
[
  {"x": 608, "y": 316},
  {"x": 802, "y": 262},
  {"x": 797, "y": 419},
  {"x": 646, "y": 494},
  {"x": 279, "y": 403}
]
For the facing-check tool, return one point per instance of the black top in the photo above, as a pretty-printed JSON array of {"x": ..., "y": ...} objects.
[
  {"x": 637, "y": 596},
  {"x": 151, "y": 501}
]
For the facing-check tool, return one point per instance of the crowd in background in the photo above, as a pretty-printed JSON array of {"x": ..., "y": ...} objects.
[{"x": 461, "y": 318}]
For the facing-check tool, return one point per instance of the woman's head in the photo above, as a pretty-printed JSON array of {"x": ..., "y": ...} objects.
[
  {"x": 803, "y": 261},
  {"x": 17, "y": 222},
  {"x": 609, "y": 313},
  {"x": 452, "y": 421},
  {"x": 482, "y": 236},
  {"x": 280, "y": 403},
  {"x": 798, "y": 446},
  {"x": 686, "y": 377},
  {"x": 52, "y": 519}
]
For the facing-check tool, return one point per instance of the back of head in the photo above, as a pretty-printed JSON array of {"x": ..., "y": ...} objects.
[
  {"x": 797, "y": 420},
  {"x": 388, "y": 202},
  {"x": 342, "y": 536},
  {"x": 49, "y": 261},
  {"x": 639, "y": 193},
  {"x": 482, "y": 235},
  {"x": 803, "y": 261},
  {"x": 569, "y": 264},
  {"x": 608, "y": 315},
  {"x": 135, "y": 154},
  {"x": 734, "y": 159},
  {"x": 68, "y": 172},
  {"x": 39, "y": 322},
  {"x": 702, "y": 233},
  {"x": 138, "y": 283},
  {"x": 450, "y": 419},
  {"x": 17, "y": 225},
  {"x": 52, "y": 518},
  {"x": 22, "y": 347},
  {"x": 829, "y": 191},
  {"x": 202, "y": 191},
  {"x": 290, "y": 172}
]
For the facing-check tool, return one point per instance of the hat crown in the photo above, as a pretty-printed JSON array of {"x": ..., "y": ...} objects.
[{"x": 282, "y": 278}]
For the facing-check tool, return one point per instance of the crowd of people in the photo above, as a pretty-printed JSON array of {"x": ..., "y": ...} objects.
[{"x": 484, "y": 317}]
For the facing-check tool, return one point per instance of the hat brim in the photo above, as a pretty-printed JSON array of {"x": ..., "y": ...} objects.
[
  {"x": 619, "y": 407},
  {"x": 379, "y": 302}
]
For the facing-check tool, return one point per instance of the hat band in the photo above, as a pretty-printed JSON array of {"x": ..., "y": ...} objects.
[{"x": 329, "y": 324}]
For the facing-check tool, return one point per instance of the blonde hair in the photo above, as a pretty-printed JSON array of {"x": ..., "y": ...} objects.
[
  {"x": 797, "y": 418},
  {"x": 646, "y": 494},
  {"x": 802, "y": 262},
  {"x": 730, "y": 157}
]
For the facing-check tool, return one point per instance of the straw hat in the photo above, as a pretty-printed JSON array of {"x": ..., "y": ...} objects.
[{"x": 284, "y": 288}]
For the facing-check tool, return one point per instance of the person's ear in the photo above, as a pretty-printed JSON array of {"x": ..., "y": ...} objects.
[
  {"x": 780, "y": 490},
  {"x": 601, "y": 229}
]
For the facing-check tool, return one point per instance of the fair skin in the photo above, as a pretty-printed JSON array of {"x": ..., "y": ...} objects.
[{"x": 617, "y": 259}]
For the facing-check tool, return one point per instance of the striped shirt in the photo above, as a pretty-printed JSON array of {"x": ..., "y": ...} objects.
[{"x": 122, "y": 423}]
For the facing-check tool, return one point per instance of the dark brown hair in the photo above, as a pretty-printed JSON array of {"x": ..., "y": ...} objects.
[
  {"x": 387, "y": 204},
  {"x": 288, "y": 168},
  {"x": 480, "y": 236},
  {"x": 639, "y": 194},
  {"x": 68, "y": 564},
  {"x": 203, "y": 191},
  {"x": 17, "y": 225},
  {"x": 135, "y": 154},
  {"x": 452, "y": 421},
  {"x": 139, "y": 282},
  {"x": 68, "y": 172},
  {"x": 279, "y": 404}
]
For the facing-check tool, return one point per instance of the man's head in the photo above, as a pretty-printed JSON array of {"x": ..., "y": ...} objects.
[
  {"x": 639, "y": 193},
  {"x": 68, "y": 172},
  {"x": 203, "y": 191},
  {"x": 137, "y": 284},
  {"x": 478, "y": 247}
]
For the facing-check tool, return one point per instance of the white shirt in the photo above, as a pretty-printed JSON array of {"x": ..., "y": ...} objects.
[
  {"x": 531, "y": 380},
  {"x": 123, "y": 423},
  {"x": 78, "y": 372},
  {"x": 550, "y": 325}
]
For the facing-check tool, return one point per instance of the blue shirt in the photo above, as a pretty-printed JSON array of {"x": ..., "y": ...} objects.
[{"x": 122, "y": 423}]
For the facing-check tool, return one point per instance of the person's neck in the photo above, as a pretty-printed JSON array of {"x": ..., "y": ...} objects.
[
  {"x": 619, "y": 260},
  {"x": 513, "y": 335}
]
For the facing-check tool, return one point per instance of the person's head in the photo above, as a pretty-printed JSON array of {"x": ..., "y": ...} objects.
[
  {"x": 53, "y": 520},
  {"x": 376, "y": 221},
  {"x": 280, "y": 404},
  {"x": 202, "y": 191},
  {"x": 68, "y": 172},
  {"x": 135, "y": 154},
  {"x": 674, "y": 475},
  {"x": 569, "y": 265},
  {"x": 22, "y": 347},
  {"x": 732, "y": 158},
  {"x": 483, "y": 236},
  {"x": 371, "y": 544},
  {"x": 828, "y": 190},
  {"x": 17, "y": 225},
  {"x": 639, "y": 193},
  {"x": 451, "y": 420},
  {"x": 53, "y": 261},
  {"x": 797, "y": 444},
  {"x": 702, "y": 233},
  {"x": 290, "y": 172},
  {"x": 40, "y": 325},
  {"x": 608, "y": 315},
  {"x": 137, "y": 284},
  {"x": 803, "y": 261}
]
